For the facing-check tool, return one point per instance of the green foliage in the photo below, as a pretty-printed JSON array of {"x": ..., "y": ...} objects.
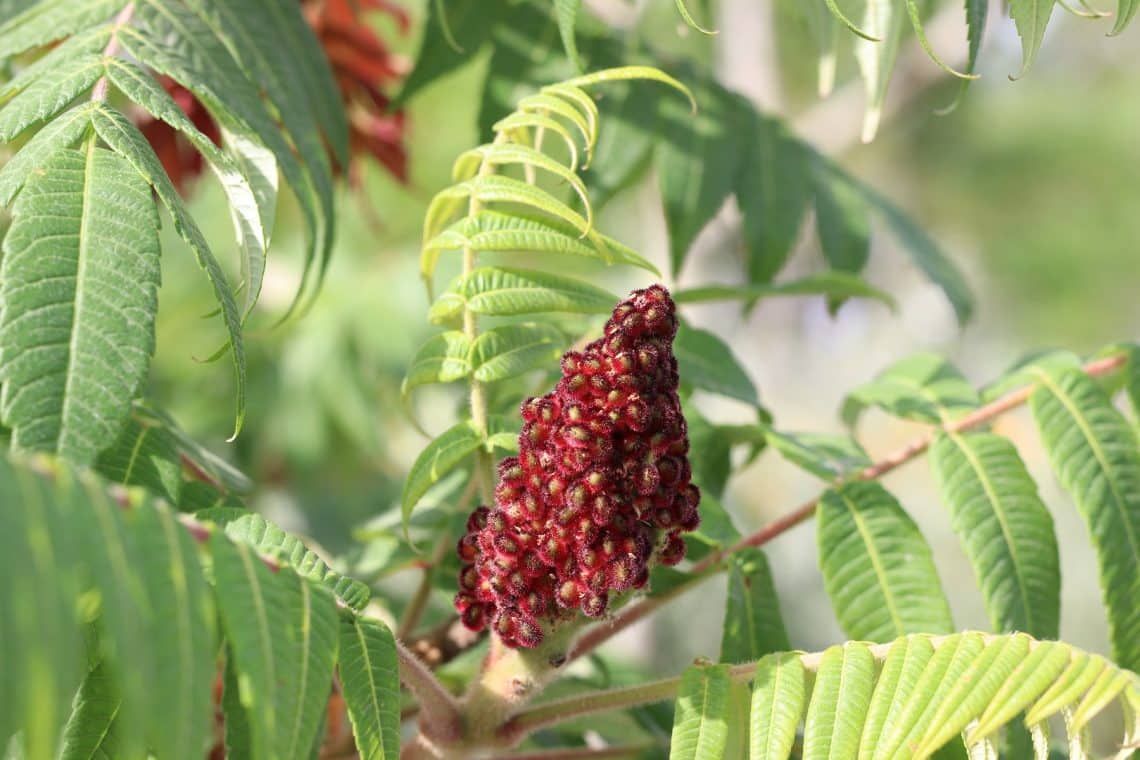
[
  {"x": 119, "y": 613},
  {"x": 700, "y": 727},
  {"x": 909, "y": 698},
  {"x": 877, "y": 566},
  {"x": 1095, "y": 454},
  {"x": 280, "y": 630},
  {"x": 106, "y": 229},
  {"x": 77, "y": 334},
  {"x": 1006, "y": 530},
  {"x": 924, "y": 387},
  {"x": 141, "y": 584},
  {"x": 753, "y": 625},
  {"x": 368, "y": 668}
]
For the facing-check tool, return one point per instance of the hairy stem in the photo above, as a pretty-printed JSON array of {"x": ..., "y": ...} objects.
[
  {"x": 440, "y": 718},
  {"x": 562, "y": 710},
  {"x": 485, "y": 467},
  {"x": 509, "y": 679},
  {"x": 629, "y": 615}
]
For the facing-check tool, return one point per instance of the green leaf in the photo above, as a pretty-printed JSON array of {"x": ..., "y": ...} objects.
[
  {"x": 370, "y": 681},
  {"x": 277, "y": 50},
  {"x": 80, "y": 278},
  {"x": 566, "y": 11},
  {"x": 877, "y": 567},
  {"x": 824, "y": 30},
  {"x": 1005, "y": 528},
  {"x": 717, "y": 529},
  {"x": 507, "y": 154},
  {"x": 50, "y": 94},
  {"x": 927, "y": 692},
  {"x": 180, "y": 712},
  {"x": 841, "y": 218},
  {"x": 267, "y": 538},
  {"x": 834, "y": 284},
  {"x": 126, "y": 140},
  {"x": 40, "y": 656},
  {"x": 444, "y": 358},
  {"x": 276, "y": 46},
  {"x": 89, "y": 41},
  {"x": 824, "y": 455},
  {"x": 700, "y": 726},
  {"x": 493, "y": 188},
  {"x": 442, "y": 455},
  {"x": 711, "y": 448},
  {"x": 1026, "y": 369},
  {"x": 526, "y": 54},
  {"x": 705, "y": 362},
  {"x": 51, "y": 20},
  {"x": 1031, "y": 17},
  {"x": 753, "y": 625},
  {"x": 925, "y": 253},
  {"x": 923, "y": 387},
  {"x": 976, "y": 11},
  {"x": 1096, "y": 457},
  {"x": 778, "y": 691},
  {"x": 687, "y": 17},
  {"x": 502, "y": 292},
  {"x": 884, "y": 20},
  {"x": 1125, "y": 11},
  {"x": 62, "y": 132},
  {"x": 450, "y": 41},
  {"x": 497, "y": 232},
  {"x": 697, "y": 165},
  {"x": 624, "y": 148},
  {"x": 252, "y": 223},
  {"x": 144, "y": 455},
  {"x": 282, "y": 633},
  {"x": 117, "y": 571},
  {"x": 511, "y": 350},
  {"x": 773, "y": 194},
  {"x": 92, "y": 732},
  {"x": 842, "y": 686},
  {"x": 205, "y": 464},
  {"x": 202, "y": 61}
]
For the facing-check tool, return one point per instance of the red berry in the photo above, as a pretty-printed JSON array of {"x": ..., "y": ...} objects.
[{"x": 601, "y": 478}]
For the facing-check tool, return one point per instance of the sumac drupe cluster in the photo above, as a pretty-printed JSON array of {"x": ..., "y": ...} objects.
[{"x": 600, "y": 489}]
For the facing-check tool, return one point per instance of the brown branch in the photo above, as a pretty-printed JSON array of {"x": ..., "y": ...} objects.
[{"x": 627, "y": 616}]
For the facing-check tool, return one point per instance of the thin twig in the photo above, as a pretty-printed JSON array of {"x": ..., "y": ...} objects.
[{"x": 626, "y": 617}]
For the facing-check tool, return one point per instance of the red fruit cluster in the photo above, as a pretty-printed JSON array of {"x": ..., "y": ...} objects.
[
  {"x": 362, "y": 65},
  {"x": 600, "y": 489}
]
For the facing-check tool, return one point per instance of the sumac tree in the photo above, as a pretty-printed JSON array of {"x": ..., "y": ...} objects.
[{"x": 146, "y": 612}]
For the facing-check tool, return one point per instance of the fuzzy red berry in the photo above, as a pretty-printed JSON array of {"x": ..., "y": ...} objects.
[{"x": 600, "y": 489}]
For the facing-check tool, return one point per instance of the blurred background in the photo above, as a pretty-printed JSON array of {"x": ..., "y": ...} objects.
[{"x": 1028, "y": 185}]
